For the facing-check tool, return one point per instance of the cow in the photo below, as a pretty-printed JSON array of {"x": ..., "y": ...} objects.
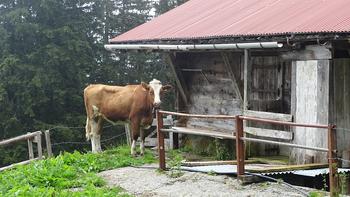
[{"x": 133, "y": 104}]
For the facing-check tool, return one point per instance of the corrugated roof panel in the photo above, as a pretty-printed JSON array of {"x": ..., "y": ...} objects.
[{"x": 220, "y": 18}]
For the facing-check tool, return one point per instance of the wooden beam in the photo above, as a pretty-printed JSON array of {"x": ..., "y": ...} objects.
[
  {"x": 269, "y": 133},
  {"x": 16, "y": 164},
  {"x": 179, "y": 79},
  {"x": 207, "y": 163},
  {"x": 247, "y": 73},
  {"x": 48, "y": 143},
  {"x": 19, "y": 138},
  {"x": 30, "y": 148},
  {"x": 288, "y": 168},
  {"x": 37, "y": 139},
  {"x": 240, "y": 152},
  {"x": 202, "y": 132},
  {"x": 311, "y": 52},
  {"x": 228, "y": 67},
  {"x": 269, "y": 115},
  {"x": 160, "y": 136}
]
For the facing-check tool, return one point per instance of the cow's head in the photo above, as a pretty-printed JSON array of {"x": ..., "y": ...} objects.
[{"x": 156, "y": 90}]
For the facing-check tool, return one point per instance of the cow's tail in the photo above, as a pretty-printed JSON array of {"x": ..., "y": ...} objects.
[
  {"x": 87, "y": 129},
  {"x": 88, "y": 124}
]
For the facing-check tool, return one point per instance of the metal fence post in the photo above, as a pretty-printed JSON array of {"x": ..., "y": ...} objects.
[
  {"x": 160, "y": 136},
  {"x": 239, "y": 146},
  {"x": 333, "y": 185}
]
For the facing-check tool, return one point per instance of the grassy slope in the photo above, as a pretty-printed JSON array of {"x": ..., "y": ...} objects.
[{"x": 57, "y": 176}]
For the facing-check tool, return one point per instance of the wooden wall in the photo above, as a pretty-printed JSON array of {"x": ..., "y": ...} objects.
[
  {"x": 210, "y": 90},
  {"x": 341, "y": 103}
]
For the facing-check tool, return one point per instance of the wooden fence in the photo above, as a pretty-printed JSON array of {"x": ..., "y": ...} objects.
[
  {"x": 239, "y": 139},
  {"x": 34, "y": 137}
]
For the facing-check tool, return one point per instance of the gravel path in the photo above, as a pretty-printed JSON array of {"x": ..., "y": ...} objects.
[{"x": 147, "y": 182}]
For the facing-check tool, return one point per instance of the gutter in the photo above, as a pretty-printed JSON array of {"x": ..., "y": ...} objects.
[{"x": 187, "y": 47}]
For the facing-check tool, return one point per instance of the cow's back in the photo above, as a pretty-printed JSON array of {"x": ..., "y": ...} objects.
[{"x": 114, "y": 102}]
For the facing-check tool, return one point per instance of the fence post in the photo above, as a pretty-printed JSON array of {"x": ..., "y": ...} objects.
[
  {"x": 127, "y": 133},
  {"x": 37, "y": 139},
  {"x": 160, "y": 136},
  {"x": 333, "y": 185},
  {"x": 30, "y": 148},
  {"x": 48, "y": 143},
  {"x": 239, "y": 146}
]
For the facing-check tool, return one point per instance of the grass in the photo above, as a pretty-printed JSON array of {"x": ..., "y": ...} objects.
[{"x": 69, "y": 174}]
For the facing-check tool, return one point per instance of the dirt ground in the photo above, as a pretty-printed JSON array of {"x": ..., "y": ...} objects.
[{"x": 146, "y": 181}]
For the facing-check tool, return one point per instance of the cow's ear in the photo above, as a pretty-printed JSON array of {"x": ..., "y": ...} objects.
[
  {"x": 167, "y": 88},
  {"x": 145, "y": 86}
]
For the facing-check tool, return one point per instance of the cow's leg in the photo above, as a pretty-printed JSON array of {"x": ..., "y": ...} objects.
[
  {"x": 142, "y": 144},
  {"x": 96, "y": 135},
  {"x": 135, "y": 129}
]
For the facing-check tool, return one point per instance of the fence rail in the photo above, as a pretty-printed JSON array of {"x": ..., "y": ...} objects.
[
  {"x": 34, "y": 137},
  {"x": 238, "y": 136}
]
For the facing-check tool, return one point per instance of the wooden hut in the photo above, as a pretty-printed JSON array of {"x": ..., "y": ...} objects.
[{"x": 279, "y": 59}]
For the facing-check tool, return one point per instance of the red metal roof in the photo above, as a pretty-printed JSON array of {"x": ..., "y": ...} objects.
[{"x": 199, "y": 19}]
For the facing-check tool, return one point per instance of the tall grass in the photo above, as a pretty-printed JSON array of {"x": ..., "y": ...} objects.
[{"x": 69, "y": 174}]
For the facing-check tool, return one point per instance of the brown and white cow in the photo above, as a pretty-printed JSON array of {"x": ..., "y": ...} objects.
[{"x": 131, "y": 103}]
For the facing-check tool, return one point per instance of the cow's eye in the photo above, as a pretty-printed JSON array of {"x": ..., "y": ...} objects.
[{"x": 151, "y": 93}]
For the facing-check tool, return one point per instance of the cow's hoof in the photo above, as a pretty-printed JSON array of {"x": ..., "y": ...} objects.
[
  {"x": 142, "y": 154},
  {"x": 133, "y": 154}
]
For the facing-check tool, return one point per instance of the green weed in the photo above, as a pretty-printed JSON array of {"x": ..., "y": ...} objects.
[{"x": 69, "y": 174}]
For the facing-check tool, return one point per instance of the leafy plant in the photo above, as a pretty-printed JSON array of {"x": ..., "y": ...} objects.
[{"x": 65, "y": 173}]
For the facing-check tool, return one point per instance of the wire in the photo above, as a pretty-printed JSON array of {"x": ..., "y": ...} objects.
[{"x": 83, "y": 143}]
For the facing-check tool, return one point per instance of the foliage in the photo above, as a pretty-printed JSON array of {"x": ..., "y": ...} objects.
[
  {"x": 60, "y": 175},
  {"x": 175, "y": 159},
  {"x": 51, "y": 49}
]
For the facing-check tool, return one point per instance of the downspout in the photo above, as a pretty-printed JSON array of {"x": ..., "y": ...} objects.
[{"x": 186, "y": 47}]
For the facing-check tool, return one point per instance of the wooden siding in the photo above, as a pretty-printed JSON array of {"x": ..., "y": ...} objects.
[
  {"x": 211, "y": 89},
  {"x": 341, "y": 103}
]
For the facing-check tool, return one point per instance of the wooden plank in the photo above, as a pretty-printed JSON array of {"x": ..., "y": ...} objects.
[
  {"x": 39, "y": 146},
  {"x": 19, "y": 138},
  {"x": 201, "y": 132},
  {"x": 228, "y": 67},
  {"x": 180, "y": 82},
  {"x": 16, "y": 164},
  {"x": 48, "y": 143},
  {"x": 208, "y": 163},
  {"x": 30, "y": 148},
  {"x": 288, "y": 168},
  {"x": 127, "y": 133},
  {"x": 247, "y": 78},
  {"x": 269, "y": 115},
  {"x": 269, "y": 133}
]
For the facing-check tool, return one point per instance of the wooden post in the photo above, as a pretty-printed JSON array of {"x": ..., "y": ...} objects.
[
  {"x": 127, "y": 133},
  {"x": 160, "y": 136},
  {"x": 48, "y": 143},
  {"x": 333, "y": 186},
  {"x": 40, "y": 150},
  {"x": 30, "y": 148},
  {"x": 239, "y": 146}
]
